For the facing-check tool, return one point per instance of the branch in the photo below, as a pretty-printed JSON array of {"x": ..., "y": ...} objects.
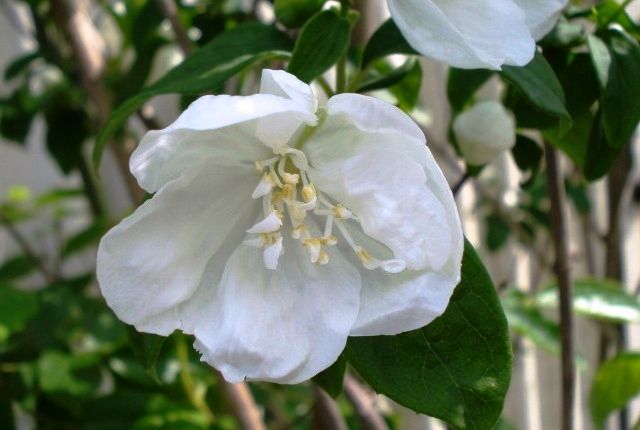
[
  {"x": 169, "y": 10},
  {"x": 242, "y": 404},
  {"x": 561, "y": 269},
  {"x": 83, "y": 39},
  {"x": 364, "y": 404},
  {"x": 326, "y": 414},
  {"x": 28, "y": 250}
]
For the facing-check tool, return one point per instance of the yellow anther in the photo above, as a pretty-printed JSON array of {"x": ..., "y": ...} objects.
[
  {"x": 363, "y": 255},
  {"x": 298, "y": 231},
  {"x": 286, "y": 193},
  {"x": 269, "y": 239},
  {"x": 308, "y": 193},
  {"x": 329, "y": 240},
  {"x": 340, "y": 212},
  {"x": 279, "y": 214},
  {"x": 291, "y": 178},
  {"x": 312, "y": 242},
  {"x": 323, "y": 258}
]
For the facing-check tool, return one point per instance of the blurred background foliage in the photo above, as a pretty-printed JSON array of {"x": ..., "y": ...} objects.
[{"x": 66, "y": 362}]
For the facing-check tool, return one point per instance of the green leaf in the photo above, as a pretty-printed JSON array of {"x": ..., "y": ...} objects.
[
  {"x": 497, "y": 232},
  {"x": 528, "y": 157},
  {"x": 386, "y": 80},
  {"x": 457, "y": 368},
  {"x": 463, "y": 84},
  {"x": 210, "y": 66},
  {"x": 331, "y": 379},
  {"x": 322, "y": 41},
  {"x": 18, "y": 65},
  {"x": 146, "y": 348},
  {"x": 57, "y": 373},
  {"x": 526, "y": 320},
  {"x": 618, "y": 69},
  {"x": 16, "y": 309},
  {"x": 385, "y": 41},
  {"x": 294, "y": 13},
  {"x": 602, "y": 299},
  {"x": 16, "y": 267},
  {"x": 617, "y": 381},
  {"x": 539, "y": 83},
  {"x": 85, "y": 238},
  {"x": 67, "y": 129}
]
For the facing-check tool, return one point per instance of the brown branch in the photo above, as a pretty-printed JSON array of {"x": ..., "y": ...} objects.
[
  {"x": 363, "y": 402},
  {"x": 83, "y": 39},
  {"x": 26, "y": 248},
  {"x": 170, "y": 11},
  {"x": 561, "y": 268},
  {"x": 326, "y": 414},
  {"x": 242, "y": 404}
]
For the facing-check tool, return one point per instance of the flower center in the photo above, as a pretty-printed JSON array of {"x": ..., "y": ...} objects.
[{"x": 287, "y": 192}]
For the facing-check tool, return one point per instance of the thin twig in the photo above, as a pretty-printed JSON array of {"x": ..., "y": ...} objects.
[
  {"x": 326, "y": 414},
  {"x": 561, "y": 268},
  {"x": 458, "y": 186},
  {"x": 26, "y": 248},
  {"x": 82, "y": 36},
  {"x": 364, "y": 404},
  {"x": 242, "y": 405},
  {"x": 170, "y": 11}
]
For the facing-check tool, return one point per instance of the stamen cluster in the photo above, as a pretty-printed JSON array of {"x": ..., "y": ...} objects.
[{"x": 286, "y": 190}]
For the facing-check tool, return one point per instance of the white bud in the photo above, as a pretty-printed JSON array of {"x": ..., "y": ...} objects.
[{"x": 484, "y": 131}]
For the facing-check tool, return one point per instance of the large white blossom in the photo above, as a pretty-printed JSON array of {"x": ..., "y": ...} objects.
[
  {"x": 476, "y": 33},
  {"x": 279, "y": 228},
  {"x": 484, "y": 131}
]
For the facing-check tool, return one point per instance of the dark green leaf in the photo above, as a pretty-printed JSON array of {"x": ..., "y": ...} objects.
[
  {"x": 600, "y": 155},
  {"x": 618, "y": 69},
  {"x": 407, "y": 91},
  {"x": 67, "y": 129},
  {"x": 463, "y": 84},
  {"x": 331, "y": 379},
  {"x": 16, "y": 267},
  {"x": 617, "y": 381},
  {"x": 385, "y": 41},
  {"x": 85, "y": 238},
  {"x": 294, "y": 13},
  {"x": 457, "y": 368},
  {"x": 322, "y": 41},
  {"x": 602, "y": 299},
  {"x": 18, "y": 65},
  {"x": 386, "y": 80},
  {"x": 16, "y": 309},
  {"x": 207, "y": 68},
  {"x": 539, "y": 83},
  {"x": 528, "y": 157},
  {"x": 497, "y": 232},
  {"x": 146, "y": 348}
]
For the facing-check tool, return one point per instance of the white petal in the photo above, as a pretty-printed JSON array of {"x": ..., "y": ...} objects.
[
  {"x": 541, "y": 15},
  {"x": 283, "y": 325},
  {"x": 271, "y": 223},
  {"x": 395, "y": 303},
  {"x": 226, "y": 129},
  {"x": 484, "y": 132},
  {"x": 388, "y": 178},
  {"x": 466, "y": 34},
  {"x": 283, "y": 84},
  {"x": 154, "y": 260}
]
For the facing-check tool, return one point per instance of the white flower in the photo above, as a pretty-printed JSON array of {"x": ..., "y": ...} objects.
[
  {"x": 476, "y": 33},
  {"x": 278, "y": 229},
  {"x": 484, "y": 131}
]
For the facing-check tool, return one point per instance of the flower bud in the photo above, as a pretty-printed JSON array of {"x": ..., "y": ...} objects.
[{"x": 484, "y": 131}]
